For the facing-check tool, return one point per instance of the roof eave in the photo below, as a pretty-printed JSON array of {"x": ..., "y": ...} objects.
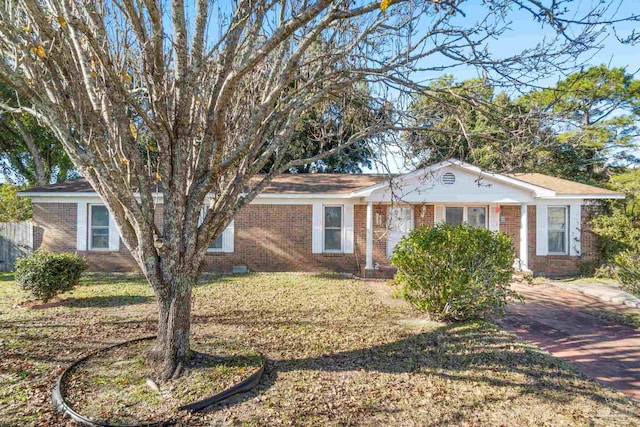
[
  {"x": 585, "y": 196},
  {"x": 77, "y": 195}
]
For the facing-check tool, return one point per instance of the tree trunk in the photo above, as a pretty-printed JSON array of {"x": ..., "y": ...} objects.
[
  {"x": 171, "y": 349},
  {"x": 41, "y": 172}
]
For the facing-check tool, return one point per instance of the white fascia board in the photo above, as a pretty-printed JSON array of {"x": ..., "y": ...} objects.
[
  {"x": 305, "y": 196},
  {"x": 453, "y": 199},
  {"x": 91, "y": 198},
  {"x": 583, "y": 196},
  {"x": 57, "y": 194},
  {"x": 305, "y": 201},
  {"x": 271, "y": 199}
]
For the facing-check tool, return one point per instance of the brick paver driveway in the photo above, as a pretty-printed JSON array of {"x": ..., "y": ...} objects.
[{"x": 551, "y": 318}]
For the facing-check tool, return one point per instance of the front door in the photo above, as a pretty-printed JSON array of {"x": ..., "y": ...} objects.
[{"x": 400, "y": 224}]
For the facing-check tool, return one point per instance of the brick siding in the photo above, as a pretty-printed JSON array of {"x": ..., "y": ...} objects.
[
  {"x": 55, "y": 225},
  {"x": 511, "y": 225},
  {"x": 278, "y": 238},
  {"x": 563, "y": 265}
]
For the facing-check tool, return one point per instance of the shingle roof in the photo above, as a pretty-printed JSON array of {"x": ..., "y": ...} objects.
[
  {"x": 559, "y": 185},
  {"x": 79, "y": 185},
  {"x": 323, "y": 183}
]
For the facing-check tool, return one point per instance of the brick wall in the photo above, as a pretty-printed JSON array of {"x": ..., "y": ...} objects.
[
  {"x": 55, "y": 230},
  {"x": 55, "y": 225},
  {"x": 278, "y": 238},
  {"x": 563, "y": 265},
  {"x": 423, "y": 215},
  {"x": 511, "y": 225}
]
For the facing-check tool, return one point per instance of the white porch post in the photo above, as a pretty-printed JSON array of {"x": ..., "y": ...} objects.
[
  {"x": 524, "y": 238},
  {"x": 369, "y": 246}
]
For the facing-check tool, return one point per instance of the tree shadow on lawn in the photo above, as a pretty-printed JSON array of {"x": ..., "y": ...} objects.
[
  {"x": 111, "y": 277},
  {"x": 107, "y": 301},
  {"x": 476, "y": 352}
]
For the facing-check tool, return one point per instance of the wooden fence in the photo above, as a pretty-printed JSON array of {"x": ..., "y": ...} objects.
[{"x": 16, "y": 240}]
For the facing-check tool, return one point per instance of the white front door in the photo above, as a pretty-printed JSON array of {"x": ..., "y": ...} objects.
[{"x": 400, "y": 224}]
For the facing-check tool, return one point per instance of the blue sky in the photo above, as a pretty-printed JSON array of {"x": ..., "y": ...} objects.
[{"x": 524, "y": 32}]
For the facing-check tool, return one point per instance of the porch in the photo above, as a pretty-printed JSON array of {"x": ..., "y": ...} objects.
[{"x": 386, "y": 224}]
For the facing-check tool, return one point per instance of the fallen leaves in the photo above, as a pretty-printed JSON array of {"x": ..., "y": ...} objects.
[{"x": 336, "y": 356}]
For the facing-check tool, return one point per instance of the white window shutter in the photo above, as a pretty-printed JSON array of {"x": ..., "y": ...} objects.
[
  {"x": 575, "y": 228},
  {"x": 542, "y": 238},
  {"x": 316, "y": 228},
  {"x": 438, "y": 214},
  {"x": 81, "y": 226},
  {"x": 227, "y": 237},
  {"x": 348, "y": 229},
  {"x": 114, "y": 235},
  {"x": 494, "y": 218}
]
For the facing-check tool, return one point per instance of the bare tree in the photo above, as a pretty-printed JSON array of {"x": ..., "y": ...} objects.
[{"x": 190, "y": 101}]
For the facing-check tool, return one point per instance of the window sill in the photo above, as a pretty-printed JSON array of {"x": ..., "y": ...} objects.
[{"x": 331, "y": 253}]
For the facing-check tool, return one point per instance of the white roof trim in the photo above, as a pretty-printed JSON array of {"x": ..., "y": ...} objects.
[
  {"x": 539, "y": 191},
  {"x": 584, "y": 196},
  {"x": 259, "y": 196},
  {"x": 57, "y": 194}
]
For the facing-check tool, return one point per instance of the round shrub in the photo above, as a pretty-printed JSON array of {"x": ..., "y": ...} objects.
[
  {"x": 455, "y": 272},
  {"x": 46, "y": 274}
]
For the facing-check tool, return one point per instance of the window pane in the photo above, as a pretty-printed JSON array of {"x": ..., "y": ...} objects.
[
  {"x": 557, "y": 241},
  {"x": 99, "y": 216},
  {"x": 454, "y": 216},
  {"x": 333, "y": 217},
  {"x": 557, "y": 226},
  {"x": 478, "y": 217},
  {"x": 99, "y": 238},
  {"x": 557, "y": 218},
  {"x": 216, "y": 244},
  {"x": 332, "y": 239}
]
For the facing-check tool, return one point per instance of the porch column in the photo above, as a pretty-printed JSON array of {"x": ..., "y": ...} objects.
[
  {"x": 369, "y": 246},
  {"x": 524, "y": 238}
]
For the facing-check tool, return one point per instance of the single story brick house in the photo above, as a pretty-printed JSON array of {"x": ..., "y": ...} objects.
[{"x": 351, "y": 223}]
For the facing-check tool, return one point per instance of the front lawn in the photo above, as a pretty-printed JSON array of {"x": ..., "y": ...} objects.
[{"x": 335, "y": 355}]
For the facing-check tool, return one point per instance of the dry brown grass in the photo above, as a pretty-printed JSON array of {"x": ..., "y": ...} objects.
[{"x": 335, "y": 355}]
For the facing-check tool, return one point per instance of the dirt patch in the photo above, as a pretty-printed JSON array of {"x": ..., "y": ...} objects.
[
  {"x": 40, "y": 304},
  {"x": 117, "y": 385},
  {"x": 384, "y": 292}
]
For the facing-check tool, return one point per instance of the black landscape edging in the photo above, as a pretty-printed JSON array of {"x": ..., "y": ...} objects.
[
  {"x": 244, "y": 385},
  {"x": 61, "y": 405}
]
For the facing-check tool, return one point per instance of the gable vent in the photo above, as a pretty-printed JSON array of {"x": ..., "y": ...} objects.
[{"x": 448, "y": 178}]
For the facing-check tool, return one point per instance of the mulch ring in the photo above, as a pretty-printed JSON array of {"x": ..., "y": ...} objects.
[{"x": 117, "y": 386}]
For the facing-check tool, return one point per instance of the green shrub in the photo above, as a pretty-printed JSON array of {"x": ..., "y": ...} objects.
[
  {"x": 618, "y": 232},
  {"x": 45, "y": 274},
  {"x": 620, "y": 241},
  {"x": 455, "y": 273},
  {"x": 627, "y": 271}
]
